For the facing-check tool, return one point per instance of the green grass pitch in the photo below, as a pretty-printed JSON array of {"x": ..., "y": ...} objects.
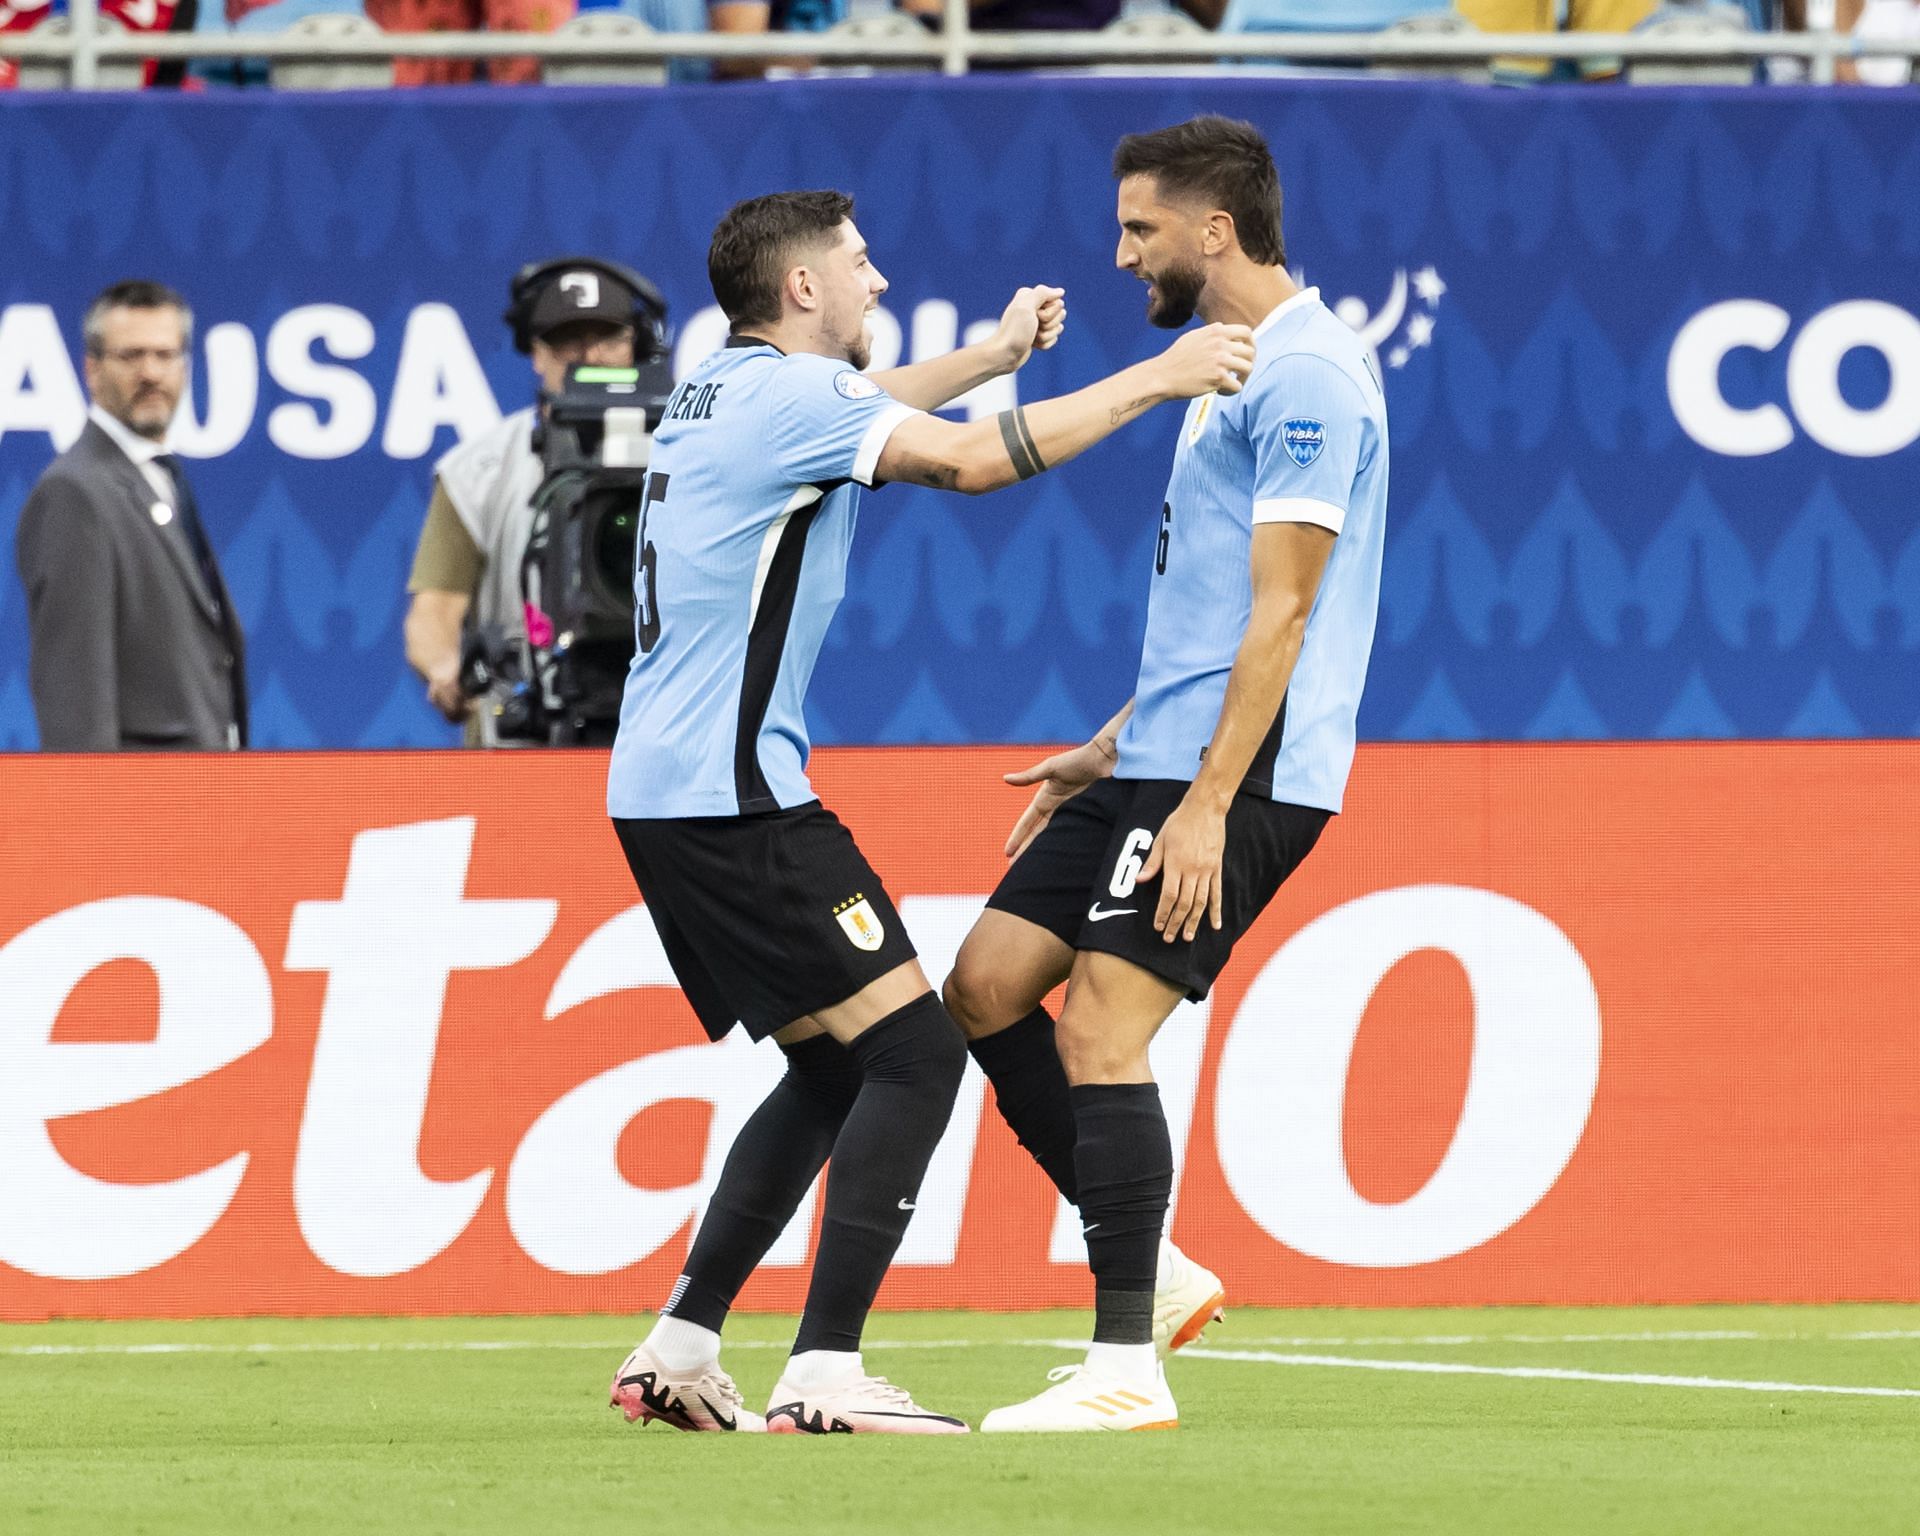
[{"x": 1483, "y": 1421}]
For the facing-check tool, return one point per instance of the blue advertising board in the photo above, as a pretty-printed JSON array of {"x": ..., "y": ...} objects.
[{"x": 1653, "y": 367}]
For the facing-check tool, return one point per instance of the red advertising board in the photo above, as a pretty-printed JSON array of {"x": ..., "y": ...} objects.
[{"x": 329, "y": 1034}]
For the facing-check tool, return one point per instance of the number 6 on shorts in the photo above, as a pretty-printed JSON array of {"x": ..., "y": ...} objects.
[{"x": 1133, "y": 853}]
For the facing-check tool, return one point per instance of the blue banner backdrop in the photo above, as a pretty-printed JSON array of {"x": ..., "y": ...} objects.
[{"x": 1652, "y": 362}]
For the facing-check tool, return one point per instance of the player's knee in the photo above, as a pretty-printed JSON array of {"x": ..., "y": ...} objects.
[
  {"x": 1092, "y": 1054},
  {"x": 979, "y": 997},
  {"x": 947, "y": 1050},
  {"x": 967, "y": 996},
  {"x": 824, "y": 1075},
  {"x": 942, "y": 1051},
  {"x": 919, "y": 1046}
]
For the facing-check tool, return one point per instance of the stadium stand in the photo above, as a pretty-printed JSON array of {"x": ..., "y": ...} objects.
[
  {"x": 1676, "y": 39},
  {"x": 1693, "y": 21},
  {"x": 1891, "y": 20},
  {"x": 1302, "y": 16},
  {"x": 320, "y": 18},
  {"x": 611, "y": 19}
]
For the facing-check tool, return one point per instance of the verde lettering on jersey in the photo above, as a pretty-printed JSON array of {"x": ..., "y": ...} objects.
[{"x": 693, "y": 402}]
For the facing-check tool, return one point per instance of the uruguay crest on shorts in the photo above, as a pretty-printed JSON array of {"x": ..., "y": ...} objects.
[
  {"x": 860, "y": 923},
  {"x": 1304, "y": 438}
]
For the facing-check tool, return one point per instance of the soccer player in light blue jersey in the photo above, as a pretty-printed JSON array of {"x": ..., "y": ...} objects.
[
  {"x": 1146, "y": 853},
  {"x": 765, "y": 907}
]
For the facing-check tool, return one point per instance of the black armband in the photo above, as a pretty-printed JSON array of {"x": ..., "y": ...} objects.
[{"x": 1013, "y": 432}]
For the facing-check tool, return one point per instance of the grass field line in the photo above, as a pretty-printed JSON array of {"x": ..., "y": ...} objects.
[
  {"x": 361, "y": 1347},
  {"x": 1291, "y": 1341},
  {"x": 1539, "y": 1373},
  {"x": 455, "y": 1346},
  {"x": 1643, "y": 1336}
]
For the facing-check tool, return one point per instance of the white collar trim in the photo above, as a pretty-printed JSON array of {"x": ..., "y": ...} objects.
[
  {"x": 142, "y": 450},
  {"x": 1300, "y": 300}
]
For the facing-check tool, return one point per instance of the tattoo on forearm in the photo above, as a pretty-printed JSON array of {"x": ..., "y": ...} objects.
[
  {"x": 1121, "y": 412},
  {"x": 915, "y": 470},
  {"x": 1019, "y": 442}
]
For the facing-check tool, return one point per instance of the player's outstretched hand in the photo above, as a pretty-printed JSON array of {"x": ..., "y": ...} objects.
[
  {"x": 1060, "y": 778},
  {"x": 1215, "y": 359},
  {"x": 1188, "y": 854},
  {"x": 1032, "y": 322}
]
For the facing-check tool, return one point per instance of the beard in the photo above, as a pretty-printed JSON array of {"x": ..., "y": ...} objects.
[
  {"x": 860, "y": 349},
  {"x": 150, "y": 413},
  {"x": 1175, "y": 296}
]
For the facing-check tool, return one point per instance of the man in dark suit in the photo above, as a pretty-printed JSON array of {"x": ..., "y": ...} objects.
[{"x": 135, "y": 642}]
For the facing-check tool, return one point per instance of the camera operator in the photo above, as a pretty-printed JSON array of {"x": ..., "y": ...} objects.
[{"x": 467, "y": 570}]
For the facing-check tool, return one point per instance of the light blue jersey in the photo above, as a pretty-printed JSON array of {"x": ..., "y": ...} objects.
[
  {"x": 752, "y": 492},
  {"x": 1304, "y": 442}
]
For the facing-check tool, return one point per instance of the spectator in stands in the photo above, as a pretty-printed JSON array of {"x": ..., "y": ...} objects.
[
  {"x": 1028, "y": 15},
  {"x": 468, "y": 16},
  {"x": 1308, "y": 15},
  {"x": 1043, "y": 15},
  {"x": 134, "y": 641},
  {"x": 1885, "y": 19},
  {"x": 768, "y": 16},
  {"x": 19, "y": 16},
  {"x": 1556, "y": 16},
  {"x": 133, "y": 15}
]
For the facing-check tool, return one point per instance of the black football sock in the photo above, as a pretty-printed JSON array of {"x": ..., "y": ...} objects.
[
  {"x": 1124, "y": 1160},
  {"x": 771, "y": 1165},
  {"x": 911, "y": 1063},
  {"x": 1030, "y": 1086}
]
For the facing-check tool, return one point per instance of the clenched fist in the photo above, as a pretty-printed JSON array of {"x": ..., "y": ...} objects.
[
  {"x": 1215, "y": 359},
  {"x": 1032, "y": 323}
]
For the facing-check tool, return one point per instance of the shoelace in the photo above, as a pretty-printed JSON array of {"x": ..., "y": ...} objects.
[
  {"x": 886, "y": 1391},
  {"x": 723, "y": 1384},
  {"x": 1065, "y": 1372}
]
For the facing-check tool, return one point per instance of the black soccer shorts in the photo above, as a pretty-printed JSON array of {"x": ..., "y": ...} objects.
[
  {"x": 764, "y": 918},
  {"x": 1080, "y": 878}
]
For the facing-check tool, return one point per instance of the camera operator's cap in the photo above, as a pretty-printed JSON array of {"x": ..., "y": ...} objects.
[{"x": 574, "y": 294}]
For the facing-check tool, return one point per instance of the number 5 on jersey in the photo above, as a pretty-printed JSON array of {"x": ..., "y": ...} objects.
[{"x": 646, "y": 581}]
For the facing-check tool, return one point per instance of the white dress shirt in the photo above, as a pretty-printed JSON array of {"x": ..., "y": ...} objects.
[{"x": 142, "y": 451}]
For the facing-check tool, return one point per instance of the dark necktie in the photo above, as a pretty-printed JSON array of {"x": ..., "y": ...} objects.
[{"x": 188, "y": 511}]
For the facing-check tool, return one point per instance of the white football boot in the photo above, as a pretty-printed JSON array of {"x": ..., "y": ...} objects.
[
  {"x": 1186, "y": 1297},
  {"x": 863, "y": 1405},
  {"x": 1079, "y": 1401},
  {"x": 703, "y": 1400}
]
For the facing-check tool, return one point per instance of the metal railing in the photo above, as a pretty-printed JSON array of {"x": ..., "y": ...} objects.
[{"x": 954, "y": 48}]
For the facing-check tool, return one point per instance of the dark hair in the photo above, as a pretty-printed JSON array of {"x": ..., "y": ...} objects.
[
  {"x": 136, "y": 294},
  {"x": 755, "y": 246},
  {"x": 1222, "y": 162}
]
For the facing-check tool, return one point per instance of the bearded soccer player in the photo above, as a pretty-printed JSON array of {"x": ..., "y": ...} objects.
[
  {"x": 1146, "y": 853},
  {"x": 765, "y": 907}
]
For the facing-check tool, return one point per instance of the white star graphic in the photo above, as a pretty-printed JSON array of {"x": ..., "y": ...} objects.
[
  {"x": 1420, "y": 331},
  {"x": 1426, "y": 283},
  {"x": 1397, "y": 358}
]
